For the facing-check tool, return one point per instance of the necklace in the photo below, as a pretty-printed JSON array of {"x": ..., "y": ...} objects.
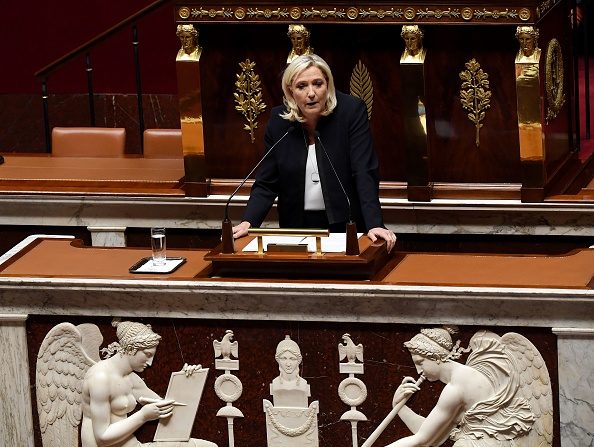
[{"x": 315, "y": 176}]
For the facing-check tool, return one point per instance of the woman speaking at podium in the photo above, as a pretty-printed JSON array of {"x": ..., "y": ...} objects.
[{"x": 323, "y": 167}]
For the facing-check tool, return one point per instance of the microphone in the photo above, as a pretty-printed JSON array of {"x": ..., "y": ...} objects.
[
  {"x": 352, "y": 243},
  {"x": 227, "y": 227}
]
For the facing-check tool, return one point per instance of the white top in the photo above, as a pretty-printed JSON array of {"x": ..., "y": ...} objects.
[{"x": 314, "y": 200}]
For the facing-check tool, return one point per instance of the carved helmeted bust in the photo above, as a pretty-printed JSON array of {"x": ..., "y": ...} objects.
[{"x": 289, "y": 389}]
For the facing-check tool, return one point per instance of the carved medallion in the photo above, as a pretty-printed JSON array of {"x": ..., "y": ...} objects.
[
  {"x": 352, "y": 13},
  {"x": 184, "y": 12},
  {"x": 467, "y": 13},
  {"x": 475, "y": 95},
  {"x": 554, "y": 76},
  {"x": 524, "y": 14},
  {"x": 239, "y": 13}
]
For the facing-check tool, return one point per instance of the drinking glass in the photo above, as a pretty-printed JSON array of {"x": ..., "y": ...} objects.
[{"x": 158, "y": 245}]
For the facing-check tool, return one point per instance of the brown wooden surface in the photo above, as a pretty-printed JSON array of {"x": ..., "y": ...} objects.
[
  {"x": 41, "y": 172},
  {"x": 372, "y": 257},
  {"x": 65, "y": 258},
  {"x": 574, "y": 270},
  {"x": 69, "y": 259}
]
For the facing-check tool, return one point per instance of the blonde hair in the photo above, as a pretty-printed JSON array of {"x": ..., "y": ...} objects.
[{"x": 295, "y": 68}]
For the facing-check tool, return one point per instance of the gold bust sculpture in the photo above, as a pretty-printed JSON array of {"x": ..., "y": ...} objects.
[
  {"x": 528, "y": 38},
  {"x": 188, "y": 36},
  {"x": 413, "y": 44},
  {"x": 299, "y": 36}
]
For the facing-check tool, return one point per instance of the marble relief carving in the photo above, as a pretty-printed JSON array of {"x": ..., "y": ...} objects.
[
  {"x": 227, "y": 386},
  {"x": 290, "y": 420},
  {"x": 352, "y": 390},
  {"x": 75, "y": 387},
  {"x": 501, "y": 396}
]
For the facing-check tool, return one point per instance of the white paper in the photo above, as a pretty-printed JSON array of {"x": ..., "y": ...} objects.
[
  {"x": 334, "y": 243},
  {"x": 169, "y": 265}
]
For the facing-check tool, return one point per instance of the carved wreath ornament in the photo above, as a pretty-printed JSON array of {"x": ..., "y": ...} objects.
[
  {"x": 297, "y": 431},
  {"x": 554, "y": 75}
]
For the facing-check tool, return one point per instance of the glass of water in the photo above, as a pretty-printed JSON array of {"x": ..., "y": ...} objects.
[{"x": 158, "y": 245}]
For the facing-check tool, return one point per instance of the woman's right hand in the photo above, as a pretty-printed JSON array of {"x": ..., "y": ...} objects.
[
  {"x": 241, "y": 230},
  {"x": 157, "y": 410},
  {"x": 406, "y": 389}
]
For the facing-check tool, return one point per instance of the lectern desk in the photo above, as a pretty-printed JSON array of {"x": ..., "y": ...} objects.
[{"x": 372, "y": 258}]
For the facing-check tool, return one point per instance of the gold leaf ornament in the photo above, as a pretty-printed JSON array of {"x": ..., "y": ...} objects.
[
  {"x": 248, "y": 96},
  {"x": 361, "y": 86},
  {"x": 475, "y": 94}
]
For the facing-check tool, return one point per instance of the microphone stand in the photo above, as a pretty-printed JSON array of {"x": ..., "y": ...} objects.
[
  {"x": 352, "y": 242},
  {"x": 227, "y": 239}
]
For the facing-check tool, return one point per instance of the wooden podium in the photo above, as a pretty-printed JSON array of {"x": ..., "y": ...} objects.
[{"x": 294, "y": 265}]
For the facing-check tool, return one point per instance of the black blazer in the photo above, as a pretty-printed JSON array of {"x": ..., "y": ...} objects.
[{"x": 346, "y": 137}]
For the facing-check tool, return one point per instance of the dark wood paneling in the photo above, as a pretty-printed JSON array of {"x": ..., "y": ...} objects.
[
  {"x": 454, "y": 156},
  {"x": 22, "y": 116}
]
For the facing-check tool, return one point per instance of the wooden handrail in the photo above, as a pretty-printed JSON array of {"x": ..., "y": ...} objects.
[{"x": 50, "y": 68}]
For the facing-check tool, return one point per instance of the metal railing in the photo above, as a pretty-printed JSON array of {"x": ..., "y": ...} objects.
[{"x": 86, "y": 49}]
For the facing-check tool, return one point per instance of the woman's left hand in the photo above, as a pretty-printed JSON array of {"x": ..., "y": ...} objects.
[{"x": 385, "y": 234}]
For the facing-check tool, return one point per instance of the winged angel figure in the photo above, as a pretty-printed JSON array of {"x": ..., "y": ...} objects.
[
  {"x": 74, "y": 385},
  {"x": 501, "y": 397}
]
